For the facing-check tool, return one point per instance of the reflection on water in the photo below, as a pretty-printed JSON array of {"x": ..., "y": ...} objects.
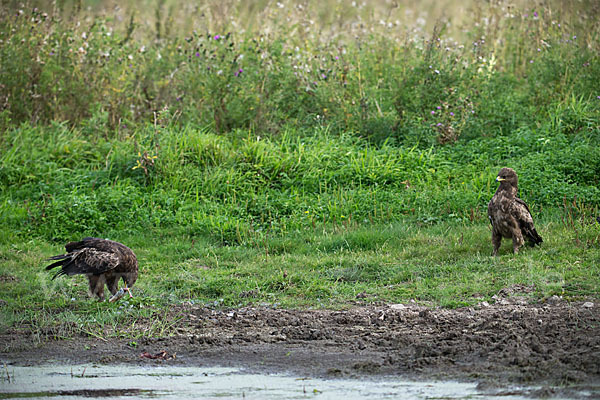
[{"x": 127, "y": 382}]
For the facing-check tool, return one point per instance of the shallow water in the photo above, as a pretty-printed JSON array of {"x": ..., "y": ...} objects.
[{"x": 127, "y": 382}]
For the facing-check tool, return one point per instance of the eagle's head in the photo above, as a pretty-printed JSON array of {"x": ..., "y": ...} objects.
[{"x": 508, "y": 176}]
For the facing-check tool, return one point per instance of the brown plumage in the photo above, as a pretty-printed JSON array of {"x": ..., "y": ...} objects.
[
  {"x": 509, "y": 215},
  {"x": 102, "y": 261}
]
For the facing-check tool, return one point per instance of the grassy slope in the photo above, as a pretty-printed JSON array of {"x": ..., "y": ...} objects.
[{"x": 279, "y": 243}]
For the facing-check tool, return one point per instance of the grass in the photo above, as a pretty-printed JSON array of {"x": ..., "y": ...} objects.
[
  {"x": 448, "y": 264},
  {"x": 266, "y": 159}
]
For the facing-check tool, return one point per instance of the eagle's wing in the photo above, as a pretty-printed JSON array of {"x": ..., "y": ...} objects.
[
  {"x": 521, "y": 213},
  {"x": 85, "y": 261}
]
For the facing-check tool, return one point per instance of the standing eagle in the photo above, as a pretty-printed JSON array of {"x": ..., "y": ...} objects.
[
  {"x": 102, "y": 261},
  {"x": 509, "y": 215}
]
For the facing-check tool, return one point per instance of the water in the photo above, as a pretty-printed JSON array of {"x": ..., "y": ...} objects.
[{"x": 127, "y": 382}]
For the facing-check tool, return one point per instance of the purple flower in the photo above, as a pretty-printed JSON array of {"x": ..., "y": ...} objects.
[
  {"x": 439, "y": 107},
  {"x": 574, "y": 37},
  {"x": 51, "y": 53},
  {"x": 217, "y": 37},
  {"x": 323, "y": 76},
  {"x": 451, "y": 113},
  {"x": 433, "y": 113},
  {"x": 438, "y": 124},
  {"x": 238, "y": 72},
  {"x": 535, "y": 14},
  {"x": 598, "y": 97},
  {"x": 197, "y": 54},
  {"x": 337, "y": 58}
]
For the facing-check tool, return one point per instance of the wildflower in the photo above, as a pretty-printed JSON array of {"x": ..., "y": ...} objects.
[
  {"x": 574, "y": 37},
  {"x": 433, "y": 113},
  {"x": 535, "y": 14},
  {"x": 238, "y": 72},
  {"x": 197, "y": 54},
  {"x": 438, "y": 124},
  {"x": 436, "y": 71},
  {"x": 217, "y": 37},
  {"x": 439, "y": 107},
  {"x": 451, "y": 114}
]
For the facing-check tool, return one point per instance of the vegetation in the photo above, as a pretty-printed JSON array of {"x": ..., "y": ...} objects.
[{"x": 293, "y": 155}]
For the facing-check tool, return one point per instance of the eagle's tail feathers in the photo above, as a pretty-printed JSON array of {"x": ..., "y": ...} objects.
[
  {"x": 60, "y": 272},
  {"x": 64, "y": 261},
  {"x": 533, "y": 238},
  {"x": 56, "y": 264}
]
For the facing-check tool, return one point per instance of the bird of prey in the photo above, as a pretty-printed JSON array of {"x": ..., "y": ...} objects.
[
  {"x": 509, "y": 215},
  {"x": 103, "y": 261}
]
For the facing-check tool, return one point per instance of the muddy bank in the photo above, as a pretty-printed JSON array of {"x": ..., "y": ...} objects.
[{"x": 508, "y": 342}]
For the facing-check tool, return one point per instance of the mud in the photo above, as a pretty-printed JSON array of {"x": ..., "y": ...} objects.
[{"x": 509, "y": 342}]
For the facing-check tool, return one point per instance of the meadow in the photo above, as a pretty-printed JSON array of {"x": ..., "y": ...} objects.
[{"x": 313, "y": 154}]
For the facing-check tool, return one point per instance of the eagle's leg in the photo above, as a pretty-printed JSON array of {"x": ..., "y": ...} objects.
[
  {"x": 113, "y": 284},
  {"x": 496, "y": 240},
  {"x": 517, "y": 238},
  {"x": 97, "y": 283}
]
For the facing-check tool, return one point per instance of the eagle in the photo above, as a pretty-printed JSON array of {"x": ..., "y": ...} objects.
[
  {"x": 509, "y": 215},
  {"x": 103, "y": 261}
]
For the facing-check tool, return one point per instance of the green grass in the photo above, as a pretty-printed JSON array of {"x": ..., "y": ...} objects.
[
  {"x": 448, "y": 265},
  {"x": 297, "y": 168}
]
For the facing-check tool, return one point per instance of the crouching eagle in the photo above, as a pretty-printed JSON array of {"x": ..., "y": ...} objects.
[
  {"x": 509, "y": 215},
  {"x": 104, "y": 262}
]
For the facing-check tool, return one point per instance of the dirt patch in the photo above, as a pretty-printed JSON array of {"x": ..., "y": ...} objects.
[{"x": 555, "y": 343}]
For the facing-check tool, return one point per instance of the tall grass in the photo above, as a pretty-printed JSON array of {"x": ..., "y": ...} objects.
[{"x": 363, "y": 70}]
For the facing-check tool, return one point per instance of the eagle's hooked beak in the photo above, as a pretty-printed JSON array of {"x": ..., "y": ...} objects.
[{"x": 498, "y": 179}]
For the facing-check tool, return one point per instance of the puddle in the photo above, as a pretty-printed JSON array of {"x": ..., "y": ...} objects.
[{"x": 126, "y": 382}]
